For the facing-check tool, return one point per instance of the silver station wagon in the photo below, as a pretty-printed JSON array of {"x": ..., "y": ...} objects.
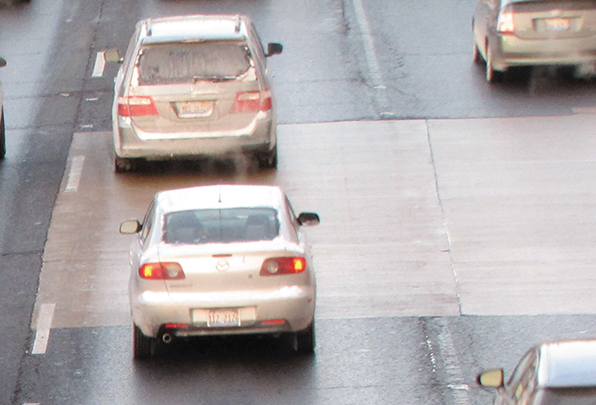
[
  {"x": 219, "y": 260},
  {"x": 194, "y": 86},
  {"x": 511, "y": 33}
]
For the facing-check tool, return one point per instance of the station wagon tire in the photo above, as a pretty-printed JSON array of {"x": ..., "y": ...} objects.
[
  {"x": 268, "y": 160},
  {"x": 2, "y": 137},
  {"x": 304, "y": 341},
  {"x": 143, "y": 346},
  {"x": 123, "y": 165}
]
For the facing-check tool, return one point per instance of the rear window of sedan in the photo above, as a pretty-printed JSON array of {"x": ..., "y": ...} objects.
[
  {"x": 221, "y": 225},
  {"x": 173, "y": 63}
]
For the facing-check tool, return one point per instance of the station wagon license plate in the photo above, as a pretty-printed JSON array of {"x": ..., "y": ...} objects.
[
  {"x": 556, "y": 24},
  {"x": 222, "y": 318},
  {"x": 193, "y": 109}
]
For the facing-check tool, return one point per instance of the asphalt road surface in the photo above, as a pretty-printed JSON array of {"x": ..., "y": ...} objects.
[{"x": 457, "y": 217}]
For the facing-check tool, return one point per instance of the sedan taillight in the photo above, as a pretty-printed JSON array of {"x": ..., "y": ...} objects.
[
  {"x": 136, "y": 106},
  {"x": 283, "y": 265},
  {"x": 162, "y": 271},
  {"x": 505, "y": 23},
  {"x": 252, "y": 101}
]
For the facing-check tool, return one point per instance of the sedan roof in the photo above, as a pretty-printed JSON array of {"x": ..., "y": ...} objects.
[
  {"x": 220, "y": 196},
  {"x": 568, "y": 364}
]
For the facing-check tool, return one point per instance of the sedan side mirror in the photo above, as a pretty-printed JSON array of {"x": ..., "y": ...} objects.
[
  {"x": 130, "y": 227},
  {"x": 491, "y": 378},
  {"x": 273, "y": 48},
  {"x": 308, "y": 219},
  {"x": 2, "y": 62},
  {"x": 112, "y": 55}
]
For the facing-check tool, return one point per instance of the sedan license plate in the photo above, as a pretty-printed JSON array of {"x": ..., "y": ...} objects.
[
  {"x": 193, "y": 109},
  {"x": 557, "y": 24},
  {"x": 222, "y": 318}
]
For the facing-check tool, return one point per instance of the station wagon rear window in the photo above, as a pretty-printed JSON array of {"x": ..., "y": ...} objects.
[
  {"x": 221, "y": 225},
  {"x": 173, "y": 63}
]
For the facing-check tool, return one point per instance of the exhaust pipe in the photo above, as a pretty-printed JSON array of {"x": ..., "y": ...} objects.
[{"x": 166, "y": 338}]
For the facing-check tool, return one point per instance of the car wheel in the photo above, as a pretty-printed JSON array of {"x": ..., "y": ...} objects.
[
  {"x": 304, "y": 341},
  {"x": 123, "y": 165},
  {"x": 2, "y": 137},
  {"x": 492, "y": 75},
  {"x": 144, "y": 346},
  {"x": 268, "y": 160}
]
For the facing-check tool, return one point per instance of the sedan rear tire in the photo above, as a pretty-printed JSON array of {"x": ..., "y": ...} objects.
[
  {"x": 492, "y": 75},
  {"x": 144, "y": 346},
  {"x": 304, "y": 341},
  {"x": 2, "y": 137}
]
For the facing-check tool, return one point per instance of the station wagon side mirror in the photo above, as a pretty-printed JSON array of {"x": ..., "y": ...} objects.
[
  {"x": 112, "y": 55},
  {"x": 273, "y": 48},
  {"x": 491, "y": 378},
  {"x": 2, "y": 62},
  {"x": 308, "y": 219},
  {"x": 131, "y": 226}
]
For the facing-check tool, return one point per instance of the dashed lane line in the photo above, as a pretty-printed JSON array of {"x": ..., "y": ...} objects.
[
  {"x": 74, "y": 175},
  {"x": 100, "y": 64},
  {"x": 44, "y": 324}
]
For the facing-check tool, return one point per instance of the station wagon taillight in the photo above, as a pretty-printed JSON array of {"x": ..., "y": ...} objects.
[
  {"x": 162, "y": 271},
  {"x": 505, "y": 24},
  {"x": 252, "y": 101},
  {"x": 136, "y": 106},
  {"x": 283, "y": 265}
]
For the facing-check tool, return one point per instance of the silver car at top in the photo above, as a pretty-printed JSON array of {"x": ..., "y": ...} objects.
[
  {"x": 194, "y": 86},
  {"x": 509, "y": 33},
  {"x": 218, "y": 260}
]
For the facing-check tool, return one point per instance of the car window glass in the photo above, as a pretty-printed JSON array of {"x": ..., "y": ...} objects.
[
  {"x": 257, "y": 40},
  {"x": 519, "y": 371},
  {"x": 221, "y": 225},
  {"x": 148, "y": 222},
  {"x": 183, "y": 63}
]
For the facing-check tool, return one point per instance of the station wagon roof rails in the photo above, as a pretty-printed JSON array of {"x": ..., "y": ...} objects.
[{"x": 238, "y": 22}]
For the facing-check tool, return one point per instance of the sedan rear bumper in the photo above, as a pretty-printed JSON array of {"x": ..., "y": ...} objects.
[
  {"x": 514, "y": 51},
  {"x": 293, "y": 304}
]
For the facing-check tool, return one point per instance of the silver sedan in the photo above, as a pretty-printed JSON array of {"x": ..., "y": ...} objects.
[{"x": 219, "y": 260}]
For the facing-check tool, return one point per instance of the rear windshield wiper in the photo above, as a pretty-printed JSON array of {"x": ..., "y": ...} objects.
[{"x": 214, "y": 78}]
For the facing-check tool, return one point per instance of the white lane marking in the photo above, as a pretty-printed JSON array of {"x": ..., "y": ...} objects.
[
  {"x": 452, "y": 367},
  {"x": 369, "y": 46},
  {"x": 74, "y": 176},
  {"x": 44, "y": 324},
  {"x": 100, "y": 64},
  {"x": 371, "y": 55}
]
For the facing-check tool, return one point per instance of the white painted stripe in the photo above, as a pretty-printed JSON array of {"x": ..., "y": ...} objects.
[
  {"x": 458, "y": 387},
  {"x": 369, "y": 46},
  {"x": 74, "y": 176},
  {"x": 371, "y": 56},
  {"x": 100, "y": 64},
  {"x": 44, "y": 324}
]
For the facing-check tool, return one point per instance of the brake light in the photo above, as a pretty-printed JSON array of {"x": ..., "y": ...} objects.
[
  {"x": 252, "y": 101},
  {"x": 161, "y": 271},
  {"x": 283, "y": 265},
  {"x": 136, "y": 106},
  {"x": 505, "y": 24}
]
